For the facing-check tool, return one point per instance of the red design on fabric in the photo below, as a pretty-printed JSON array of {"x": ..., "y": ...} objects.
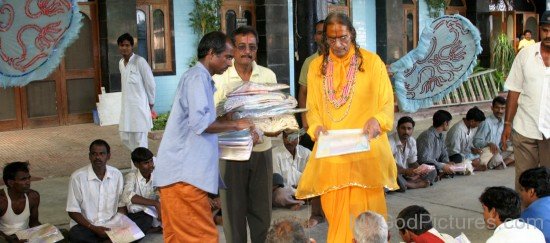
[
  {"x": 5, "y": 26},
  {"x": 46, "y": 38},
  {"x": 443, "y": 67},
  {"x": 47, "y": 7}
]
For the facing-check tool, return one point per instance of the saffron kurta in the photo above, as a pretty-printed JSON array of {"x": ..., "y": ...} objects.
[{"x": 372, "y": 96}]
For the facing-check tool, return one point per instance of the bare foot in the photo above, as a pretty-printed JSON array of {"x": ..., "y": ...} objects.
[
  {"x": 296, "y": 207},
  {"x": 509, "y": 161},
  {"x": 499, "y": 167},
  {"x": 478, "y": 166},
  {"x": 312, "y": 222},
  {"x": 417, "y": 184}
]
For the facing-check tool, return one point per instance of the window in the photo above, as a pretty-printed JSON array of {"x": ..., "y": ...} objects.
[
  {"x": 456, "y": 7},
  {"x": 154, "y": 35},
  {"x": 410, "y": 25},
  {"x": 341, "y": 6}
]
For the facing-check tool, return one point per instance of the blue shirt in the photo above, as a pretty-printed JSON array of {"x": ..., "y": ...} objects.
[
  {"x": 187, "y": 153},
  {"x": 431, "y": 148},
  {"x": 489, "y": 131},
  {"x": 538, "y": 214}
]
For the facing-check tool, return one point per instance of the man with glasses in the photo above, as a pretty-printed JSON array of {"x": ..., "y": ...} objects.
[
  {"x": 348, "y": 88},
  {"x": 247, "y": 197}
]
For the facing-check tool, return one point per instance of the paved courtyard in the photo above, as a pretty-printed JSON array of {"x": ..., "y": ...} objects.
[{"x": 54, "y": 153}]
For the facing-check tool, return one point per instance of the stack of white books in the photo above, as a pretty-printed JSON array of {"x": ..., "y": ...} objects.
[{"x": 235, "y": 145}]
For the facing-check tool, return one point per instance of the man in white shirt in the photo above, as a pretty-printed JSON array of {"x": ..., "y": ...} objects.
[
  {"x": 501, "y": 211},
  {"x": 138, "y": 95},
  {"x": 403, "y": 147},
  {"x": 139, "y": 194},
  {"x": 290, "y": 160},
  {"x": 527, "y": 109},
  {"x": 94, "y": 196}
]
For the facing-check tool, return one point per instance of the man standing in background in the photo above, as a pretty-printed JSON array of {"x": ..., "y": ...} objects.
[{"x": 138, "y": 95}]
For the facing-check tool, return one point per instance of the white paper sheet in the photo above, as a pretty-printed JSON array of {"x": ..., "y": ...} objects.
[
  {"x": 45, "y": 233},
  {"x": 339, "y": 142},
  {"x": 123, "y": 229},
  {"x": 235, "y": 145}
]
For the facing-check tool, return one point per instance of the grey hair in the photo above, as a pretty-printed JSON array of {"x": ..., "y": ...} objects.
[
  {"x": 287, "y": 231},
  {"x": 370, "y": 227}
]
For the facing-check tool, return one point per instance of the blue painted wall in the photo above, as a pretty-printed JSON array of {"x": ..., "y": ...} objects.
[
  {"x": 184, "y": 44},
  {"x": 364, "y": 21}
]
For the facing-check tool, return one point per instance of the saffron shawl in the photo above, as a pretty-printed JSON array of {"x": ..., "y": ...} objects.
[
  {"x": 33, "y": 38},
  {"x": 445, "y": 57}
]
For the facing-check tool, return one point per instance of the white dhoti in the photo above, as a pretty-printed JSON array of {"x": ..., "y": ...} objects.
[{"x": 494, "y": 160}]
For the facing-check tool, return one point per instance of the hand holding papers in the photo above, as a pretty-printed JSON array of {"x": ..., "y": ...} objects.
[
  {"x": 123, "y": 229},
  {"x": 339, "y": 142}
]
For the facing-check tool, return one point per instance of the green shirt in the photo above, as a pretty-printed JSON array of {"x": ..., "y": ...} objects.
[{"x": 303, "y": 72}]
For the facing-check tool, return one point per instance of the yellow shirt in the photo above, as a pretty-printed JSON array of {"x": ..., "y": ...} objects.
[
  {"x": 303, "y": 72},
  {"x": 523, "y": 43},
  {"x": 230, "y": 80},
  {"x": 372, "y": 96}
]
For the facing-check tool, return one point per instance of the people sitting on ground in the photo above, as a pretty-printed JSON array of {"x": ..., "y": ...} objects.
[
  {"x": 535, "y": 197},
  {"x": 410, "y": 175},
  {"x": 94, "y": 197},
  {"x": 459, "y": 145},
  {"x": 18, "y": 202},
  {"x": 430, "y": 144},
  {"x": 415, "y": 225},
  {"x": 501, "y": 212},
  {"x": 139, "y": 195},
  {"x": 370, "y": 227},
  {"x": 283, "y": 197},
  {"x": 488, "y": 136},
  {"x": 287, "y": 230},
  {"x": 289, "y": 161}
]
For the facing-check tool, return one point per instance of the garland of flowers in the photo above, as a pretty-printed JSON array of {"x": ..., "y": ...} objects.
[
  {"x": 329, "y": 83},
  {"x": 347, "y": 93}
]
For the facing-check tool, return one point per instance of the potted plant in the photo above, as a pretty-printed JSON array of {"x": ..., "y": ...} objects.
[
  {"x": 159, "y": 124},
  {"x": 435, "y": 7},
  {"x": 502, "y": 58},
  {"x": 203, "y": 19}
]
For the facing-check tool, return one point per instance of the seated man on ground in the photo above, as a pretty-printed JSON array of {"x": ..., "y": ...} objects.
[
  {"x": 139, "y": 195},
  {"x": 289, "y": 162},
  {"x": 459, "y": 145},
  {"x": 488, "y": 137},
  {"x": 535, "y": 197},
  {"x": 18, "y": 202},
  {"x": 370, "y": 227},
  {"x": 430, "y": 144},
  {"x": 501, "y": 211},
  {"x": 283, "y": 197},
  {"x": 94, "y": 197},
  {"x": 409, "y": 174},
  {"x": 287, "y": 230},
  {"x": 415, "y": 225}
]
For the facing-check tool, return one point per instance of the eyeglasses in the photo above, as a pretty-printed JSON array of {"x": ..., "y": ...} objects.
[
  {"x": 341, "y": 39},
  {"x": 243, "y": 47}
]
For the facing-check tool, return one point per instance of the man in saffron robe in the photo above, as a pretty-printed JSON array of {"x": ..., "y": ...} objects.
[{"x": 348, "y": 88}]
